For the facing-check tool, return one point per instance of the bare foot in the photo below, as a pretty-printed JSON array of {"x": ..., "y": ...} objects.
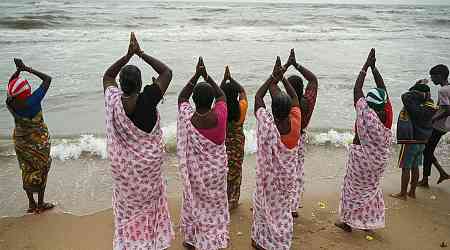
[
  {"x": 343, "y": 226},
  {"x": 44, "y": 207},
  {"x": 412, "y": 195},
  {"x": 443, "y": 178},
  {"x": 188, "y": 246},
  {"x": 256, "y": 246},
  {"x": 423, "y": 184},
  {"x": 399, "y": 196}
]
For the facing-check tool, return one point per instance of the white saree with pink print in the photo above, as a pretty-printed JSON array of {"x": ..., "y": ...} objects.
[
  {"x": 203, "y": 166},
  {"x": 276, "y": 186},
  {"x": 141, "y": 212},
  {"x": 361, "y": 203}
]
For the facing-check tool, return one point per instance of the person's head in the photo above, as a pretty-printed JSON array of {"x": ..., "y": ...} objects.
[
  {"x": 203, "y": 95},
  {"x": 231, "y": 91},
  {"x": 281, "y": 106},
  {"x": 130, "y": 80},
  {"x": 376, "y": 99},
  {"x": 439, "y": 74},
  {"x": 297, "y": 83},
  {"x": 422, "y": 88},
  {"x": 19, "y": 88}
]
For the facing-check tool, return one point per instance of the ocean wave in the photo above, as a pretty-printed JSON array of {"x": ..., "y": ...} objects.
[
  {"x": 25, "y": 24},
  {"x": 441, "y": 22},
  {"x": 88, "y": 145},
  {"x": 33, "y": 21}
]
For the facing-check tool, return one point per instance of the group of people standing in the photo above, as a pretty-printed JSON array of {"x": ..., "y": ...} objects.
[{"x": 210, "y": 151}]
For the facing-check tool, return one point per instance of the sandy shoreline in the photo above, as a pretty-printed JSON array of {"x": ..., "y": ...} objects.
[{"x": 416, "y": 224}]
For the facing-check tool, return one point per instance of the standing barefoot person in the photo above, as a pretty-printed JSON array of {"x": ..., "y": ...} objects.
[
  {"x": 278, "y": 138},
  {"x": 235, "y": 140},
  {"x": 136, "y": 151},
  {"x": 31, "y": 137},
  {"x": 441, "y": 125},
  {"x": 307, "y": 101},
  {"x": 203, "y": 163},
  {"x": 419, "y": 108},
  {"x": 362, "y": 205}
]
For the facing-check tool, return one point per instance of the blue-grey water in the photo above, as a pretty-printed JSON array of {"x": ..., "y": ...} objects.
[{"x": 75, "y": 41}]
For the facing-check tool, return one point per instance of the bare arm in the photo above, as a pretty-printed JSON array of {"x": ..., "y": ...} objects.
[
  {"x": 46, "y": 79},
  {"x": 309, "y": 76},
  {"x": 14, "y": 75},
  {"x": 109, "y": 78},
  {"x": 242, "y": 94},
  {"x": 165, "y": 73},
  {"x": 186, "y": 92},
  {"x": 218, "y": 92},
  {"x": 378, "y": 79},
  {"x": 358, "y": 89},
  {"x": 291, "y": 92},
  {"x": 262, "y": 91}
]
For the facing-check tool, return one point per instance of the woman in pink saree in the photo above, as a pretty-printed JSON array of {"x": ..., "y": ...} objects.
[
  {"x": 136, "y": 150},
  {"x": 362, "y": 204},
  {"x": 278, "y": 158},
  {"x": 203, "y": 163}
]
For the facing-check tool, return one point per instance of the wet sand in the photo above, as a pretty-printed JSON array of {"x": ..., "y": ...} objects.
[{"x": 423, "y": 223}]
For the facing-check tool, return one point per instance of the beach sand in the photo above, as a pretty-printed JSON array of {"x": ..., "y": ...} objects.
[{"x": 423, "y": 223}]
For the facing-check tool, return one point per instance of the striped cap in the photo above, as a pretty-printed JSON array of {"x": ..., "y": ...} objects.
[
  {"x": 376, "y": 98},
  {"x": 19, "y": 87}
]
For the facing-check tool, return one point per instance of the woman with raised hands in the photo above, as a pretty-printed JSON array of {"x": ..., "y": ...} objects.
[
  {"x": 235, "y": 139},
  {"x": 31, "y": 136},
  {"x": 136, "y": 153},
  {"x": 278, "y": 138},
  {"x": 202, "y": 160}
]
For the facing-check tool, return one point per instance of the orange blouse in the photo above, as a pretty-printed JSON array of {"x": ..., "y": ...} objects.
[{"x": 290, "y": 140}]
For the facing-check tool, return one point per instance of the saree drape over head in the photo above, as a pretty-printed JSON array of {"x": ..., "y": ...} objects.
[
  {"x": 32, "y": 146},
  {"x": 203, "y": 166},
  {"x": 142, "y": 219},
  {"x": 361, "y": 203},
  {"x": 276, "y": 185}
]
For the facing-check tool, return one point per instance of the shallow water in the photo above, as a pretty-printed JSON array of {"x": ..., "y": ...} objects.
[{"x": 76, "y": 41}]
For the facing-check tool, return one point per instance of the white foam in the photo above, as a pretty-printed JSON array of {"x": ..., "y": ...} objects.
[
  {"x": 72, "y": 149},
  {"x": 332, "y": 137}
]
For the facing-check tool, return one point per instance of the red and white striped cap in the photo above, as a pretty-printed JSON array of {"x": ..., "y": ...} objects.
[{"x": 19, "y": 87}]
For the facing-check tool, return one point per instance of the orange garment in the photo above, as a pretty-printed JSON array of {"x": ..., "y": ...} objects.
[
  {"x": 290, "y": 140},
  {"x": 243, "y": 106}
]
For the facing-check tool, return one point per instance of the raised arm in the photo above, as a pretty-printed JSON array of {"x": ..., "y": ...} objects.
[
  {"x": 358, "y": 89},
  {"x": 109, "y": 78},
  {"x": 377, "y": 76},
  {"x": 165, "y": 73},
  {"x": 279, "y": 70},
  {"x": 308, "y": 75},
  {"x": 274, "y": 78},
  {"x": 218, "y": 92},
  {"x": 46, "y": 79},
  {"x": 291, "y": 92},
  {"x": 186, "y": 92}
]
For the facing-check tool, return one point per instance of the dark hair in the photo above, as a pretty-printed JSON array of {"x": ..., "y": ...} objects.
[
  {"x": 231, "y": 91},
  {"x": 281, "y": 106},
  {"x": 203, "y": 95},
  {"x": 420, "y": 87},
  {"x": 130, "y": 79},
  {"x": 441, "y": 70},
  {"x": 297, "y": 83}
]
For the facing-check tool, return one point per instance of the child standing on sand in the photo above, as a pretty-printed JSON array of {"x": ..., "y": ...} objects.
[{"x": 419, "y": 109}]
